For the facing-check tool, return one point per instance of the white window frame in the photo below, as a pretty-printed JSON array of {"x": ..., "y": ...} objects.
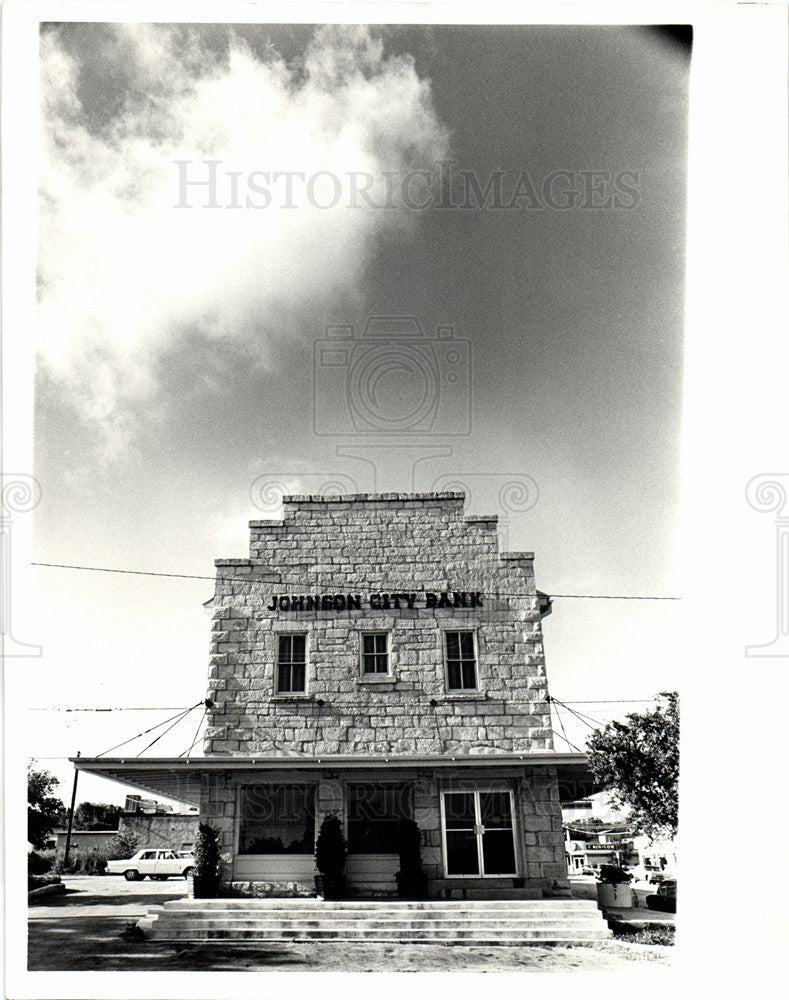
[
  {"x": 445, "y": 656},
  {"x": 373, "y": 674},
  {"x": 278, "y": 692},
  {"x": 476, "y": 792}
]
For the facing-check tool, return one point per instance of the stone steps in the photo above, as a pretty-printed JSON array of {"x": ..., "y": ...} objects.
[{"x": 486, "y": 922}]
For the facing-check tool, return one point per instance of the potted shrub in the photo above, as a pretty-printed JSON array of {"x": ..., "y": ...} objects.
[
  {"x": 205, "y": 879},
  {"x": 411, "y": 880},
  {"x": 613, "y": 887},
  {"x": 330, "y": 850}
]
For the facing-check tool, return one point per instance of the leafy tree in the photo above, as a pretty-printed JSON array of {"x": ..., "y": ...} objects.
[
  {"x": 124, "y": 845},
  {"x": 97, "y": 816},
  {"x": 44, "y": 811},
  {"x": 638, "y": 762}
]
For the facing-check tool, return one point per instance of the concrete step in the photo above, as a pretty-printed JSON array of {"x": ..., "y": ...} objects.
[
  {"x": 365, "y": 915},
  {"x": 471, "y": 936},
  {"x": 445, "y": 922},
  {"x": 372, "y": 927},
  {"x": 448, "y": 905}
]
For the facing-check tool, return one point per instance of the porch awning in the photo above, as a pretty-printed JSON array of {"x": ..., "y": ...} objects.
[{"x": 180, "y": 778}]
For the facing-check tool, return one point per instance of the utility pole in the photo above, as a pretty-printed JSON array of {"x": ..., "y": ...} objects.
[{"x": 70, "y": 817}]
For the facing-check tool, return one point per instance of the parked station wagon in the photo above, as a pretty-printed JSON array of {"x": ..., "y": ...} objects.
[{"x": 156, "y": 863}]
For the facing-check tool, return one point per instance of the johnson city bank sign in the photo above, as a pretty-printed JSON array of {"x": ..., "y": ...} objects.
[{"x": 376, "y": 602}]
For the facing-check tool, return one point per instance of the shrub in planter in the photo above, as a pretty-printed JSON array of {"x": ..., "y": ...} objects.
[
  {"x": 411, "y": 880},
  {"x": 613, "y": 886},
  {"x": 206, "y": 867},
  {"x": 330, "y": 851}
]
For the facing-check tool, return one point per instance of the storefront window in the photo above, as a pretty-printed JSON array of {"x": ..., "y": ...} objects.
[
  {"x": 277, "y": 819},
  {"x": 373, "y": 815}
]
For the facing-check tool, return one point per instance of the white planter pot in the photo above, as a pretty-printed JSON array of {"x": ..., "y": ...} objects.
[{"x": 614, "y": 895}]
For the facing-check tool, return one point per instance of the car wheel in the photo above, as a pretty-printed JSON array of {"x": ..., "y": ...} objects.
[
  {"x": 188, "y": 872},
  {"x": 131, "y": 875}
]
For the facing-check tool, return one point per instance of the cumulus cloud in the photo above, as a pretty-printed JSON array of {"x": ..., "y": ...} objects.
[{"x": 124, "y": 275}]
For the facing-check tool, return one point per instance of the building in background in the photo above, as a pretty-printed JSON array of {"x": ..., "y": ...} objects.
[
  {"x": 83, "y": 840},
  {"x": 155, "y": 824}
]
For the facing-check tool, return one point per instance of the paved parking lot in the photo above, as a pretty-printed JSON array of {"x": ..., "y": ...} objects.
[{"x": 107, "y": 895}]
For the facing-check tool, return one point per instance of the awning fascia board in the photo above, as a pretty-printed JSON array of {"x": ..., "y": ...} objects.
[{"x": 181, "y": 779}]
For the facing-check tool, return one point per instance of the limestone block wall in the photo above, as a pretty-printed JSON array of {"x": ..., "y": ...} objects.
[{"x": 377, "y": 544}]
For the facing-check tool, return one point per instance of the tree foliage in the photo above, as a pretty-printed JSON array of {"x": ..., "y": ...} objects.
[
  {"x": 97, "y": 816},
  {"x": 637, "y": 761},
  {"x": 124, "y": 845},
  {"x": 44, "y": 811}
]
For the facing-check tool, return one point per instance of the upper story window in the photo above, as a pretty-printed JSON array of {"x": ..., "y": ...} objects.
[
  {"x": 292, "y": 662},
  {"x": 375, "y": 653},
  {"x": 461, "y": 661}
]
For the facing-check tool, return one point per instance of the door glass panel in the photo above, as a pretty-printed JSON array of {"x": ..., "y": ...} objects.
[
  {"x": 462, "y": 857},
  {"x": 495, "y": 809},
  {"x": 460, "y": 811},
  {"x": 498, "y": 852}
]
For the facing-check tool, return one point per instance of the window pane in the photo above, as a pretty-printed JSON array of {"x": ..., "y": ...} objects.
[
  {"x": 298, "y": 647},
  {"x": 284, "y": 648},
  {"x": 453, "y": 645},
  {"x": 283, "y": 677},
  {"x": 469, "y": 674},
  {"x": 459, "y": 810},
  {"x": 368, "y": 641},
  {"x": 453, "y": 675},
  {"x": 467, "y": 645},
  {"x": 297, "y": 677},
  {"x": 495, "y": 809},
  {"x": 277, "y": 819},
  {"x": 498, "y": 853},
  {"x": 462, "y": 853}
]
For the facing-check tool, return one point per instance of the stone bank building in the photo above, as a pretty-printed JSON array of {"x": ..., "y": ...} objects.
[{"x": 377, "y": 657}]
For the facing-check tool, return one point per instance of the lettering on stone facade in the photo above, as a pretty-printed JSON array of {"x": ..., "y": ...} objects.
[{"x": 376, "y": 602}]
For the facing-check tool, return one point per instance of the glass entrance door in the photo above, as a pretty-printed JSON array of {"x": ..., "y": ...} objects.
[{"x": 478, "y": 833}]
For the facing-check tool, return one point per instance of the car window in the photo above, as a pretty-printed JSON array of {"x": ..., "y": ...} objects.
[{"x": 147, "y": 855}]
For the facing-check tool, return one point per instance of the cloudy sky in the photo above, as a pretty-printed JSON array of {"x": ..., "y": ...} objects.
[{"x": 518, "y": 191}]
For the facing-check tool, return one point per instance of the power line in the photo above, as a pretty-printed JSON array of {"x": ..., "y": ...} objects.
[
  {"x": 158, "y": 725},
  {"x": 134, "y": 572},
  {"x": 116, "y": 708},
  {"x": 317, "y": 588},
  {"x": 581, "y": 718},
  {"x": 179, "y": 708}
]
